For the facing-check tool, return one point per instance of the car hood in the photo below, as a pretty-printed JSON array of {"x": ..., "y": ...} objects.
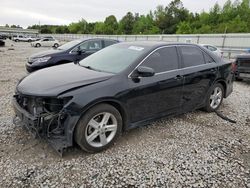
[
  {"x": 46, "y": 53},
  {"x": 55, "y": 80}
]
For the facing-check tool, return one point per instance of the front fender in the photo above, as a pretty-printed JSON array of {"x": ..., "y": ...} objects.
[{"x": 76, "y": 111}]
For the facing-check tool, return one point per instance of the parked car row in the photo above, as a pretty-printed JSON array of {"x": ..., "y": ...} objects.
[{"x": 119, "y": 87}]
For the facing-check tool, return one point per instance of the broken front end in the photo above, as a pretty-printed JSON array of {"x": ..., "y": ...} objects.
[{"x": 47, "y": 118}]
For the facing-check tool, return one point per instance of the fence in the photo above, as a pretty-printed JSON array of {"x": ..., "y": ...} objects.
[{"x": 231, "y": 44}]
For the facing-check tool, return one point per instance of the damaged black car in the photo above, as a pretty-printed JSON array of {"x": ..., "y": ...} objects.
[{"x": 118, "y": 88}]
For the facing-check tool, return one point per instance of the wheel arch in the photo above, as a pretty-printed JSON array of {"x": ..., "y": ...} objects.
[
  {"x": 113, "y": 102},
  {"x": 223, "y": 83}
]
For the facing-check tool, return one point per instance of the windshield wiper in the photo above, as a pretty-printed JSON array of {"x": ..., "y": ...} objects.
[{"x": 90, "y": 68}]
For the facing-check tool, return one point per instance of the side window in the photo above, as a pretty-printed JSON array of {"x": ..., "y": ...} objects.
[
  {"x": 211, "y": 48},
  {"x": 89, "y": 46},
  {"x": 83, "y": 46},
  {"x": 109, "y": 42},
  {"x": 45, "y": 39},
  {"x": 207, "y": 58},
  {"x": 94, "y": 45},
  {"x": 192, "y": 56},
  {"x": 164, "y": 59}
]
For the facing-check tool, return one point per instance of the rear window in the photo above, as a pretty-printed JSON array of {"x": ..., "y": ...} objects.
[
  {"x": 192, "y": 56},
  {"x": 109, "y": 42}
]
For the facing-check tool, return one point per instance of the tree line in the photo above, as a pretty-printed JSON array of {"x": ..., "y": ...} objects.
[{"x": 232, "y": 17}]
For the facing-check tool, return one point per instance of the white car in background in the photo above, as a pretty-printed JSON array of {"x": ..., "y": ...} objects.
[
  {"x": 21, "y": 38},
  {"x": 213, "y": 49},
  {"x": 46, "y": 42}
]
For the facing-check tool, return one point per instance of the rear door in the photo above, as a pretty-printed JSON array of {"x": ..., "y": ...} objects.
[
  {"x": 160, "y": 94},
  {"x": 200, "y": 72},
  {"x": 45, "y": 42}
]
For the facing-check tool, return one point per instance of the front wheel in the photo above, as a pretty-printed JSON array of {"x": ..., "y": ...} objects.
[
  {"x": 214, "y": 98},
  {"x": 56, "y": 45},
  {"x": 98, "y": 128},
  {"x": 38, "y": 45}
]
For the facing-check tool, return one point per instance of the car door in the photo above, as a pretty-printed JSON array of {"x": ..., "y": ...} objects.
[
  {"x": 200, "y": 72},
  {"x": 45, "y": 42},
  {"x": 50, "y": 42},
  {"x": 159, "y": 95}
]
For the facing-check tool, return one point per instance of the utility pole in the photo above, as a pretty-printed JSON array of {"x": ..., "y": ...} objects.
[{"x": 39, "y": 30}]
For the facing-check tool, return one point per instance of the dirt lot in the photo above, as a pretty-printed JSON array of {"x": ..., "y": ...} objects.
[{"x": 197, "y": 149}]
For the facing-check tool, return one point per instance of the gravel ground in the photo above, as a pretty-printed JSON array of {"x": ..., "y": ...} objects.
[{"x": 197, "y": 149}]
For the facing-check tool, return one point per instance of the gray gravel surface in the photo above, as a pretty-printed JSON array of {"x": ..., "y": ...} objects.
[{"x": 197, "y": 149}]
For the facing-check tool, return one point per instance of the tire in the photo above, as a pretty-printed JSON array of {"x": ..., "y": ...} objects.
[
  {"x": 38, "y": 45},
  {"x": 56, "y": 45},
  {"x": 16, "y": 40},
  {"x": 213, "y": 100},
  {"x": 101, "y": 137},
  {"x": 29, "y": 40}
]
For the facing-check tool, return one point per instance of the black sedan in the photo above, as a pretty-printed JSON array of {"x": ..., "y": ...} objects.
[
  {"x": 118, "y": 88},
  {"x": 70, "y": 52}
]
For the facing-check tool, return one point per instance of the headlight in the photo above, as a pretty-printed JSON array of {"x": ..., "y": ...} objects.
[{"x": 41, "y": 59}]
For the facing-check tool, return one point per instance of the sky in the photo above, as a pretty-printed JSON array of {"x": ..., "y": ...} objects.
[{"x": 63, "y": 12}]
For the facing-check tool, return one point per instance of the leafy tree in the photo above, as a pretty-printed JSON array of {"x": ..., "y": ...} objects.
[
  {"x": 127, "y": 23},
  {"x": 79, "y": 27},
  {"x": 99, "y": 28},
  {"x": 110, "y": 25},
  {"x": 145, "y": 25},
  {"x": 184, "y": 28}
]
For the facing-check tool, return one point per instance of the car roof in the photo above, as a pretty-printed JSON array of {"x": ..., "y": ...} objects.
[
  {"x": 152, "y": 45},
  {"x": 85, "y": 39},
  {"x": 155, "y": 44}
]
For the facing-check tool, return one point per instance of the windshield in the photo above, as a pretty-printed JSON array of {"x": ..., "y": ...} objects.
[
  {"x": 69, "y": 45},
  {"x": 113, "y": 59}
]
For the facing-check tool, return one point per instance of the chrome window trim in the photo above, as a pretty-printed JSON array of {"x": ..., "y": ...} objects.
[{"x": 159, "y": 73}]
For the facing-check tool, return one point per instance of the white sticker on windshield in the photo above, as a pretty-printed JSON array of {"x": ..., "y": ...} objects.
[{"x": 137, "y": 48}]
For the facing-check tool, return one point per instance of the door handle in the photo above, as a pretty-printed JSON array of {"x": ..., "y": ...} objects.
[
  {"x": 178, "y": 77},
  {"x": 213, "y": 70}
]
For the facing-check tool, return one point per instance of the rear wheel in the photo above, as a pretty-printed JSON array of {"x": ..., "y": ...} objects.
[
  {"x": 214, "y": 98},
  {"x": 38, "y": 45},
  {"x": 16, "y": 40},
  {"x": 56, "y": 45},
  {"x": 98, "y": 128}
]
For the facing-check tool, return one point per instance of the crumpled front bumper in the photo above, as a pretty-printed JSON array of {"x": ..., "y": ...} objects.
[{"x": 38, "y": 127}]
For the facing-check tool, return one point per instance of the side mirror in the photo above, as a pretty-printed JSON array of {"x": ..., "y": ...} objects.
[
  {"x": 80, "y": 51},
  {"x": 145, "y": 71}
]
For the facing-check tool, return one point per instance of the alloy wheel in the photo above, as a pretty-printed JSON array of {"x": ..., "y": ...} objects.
[
  {"x": 101, "y": 129},
  {"x": 216, "y": 97}
]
